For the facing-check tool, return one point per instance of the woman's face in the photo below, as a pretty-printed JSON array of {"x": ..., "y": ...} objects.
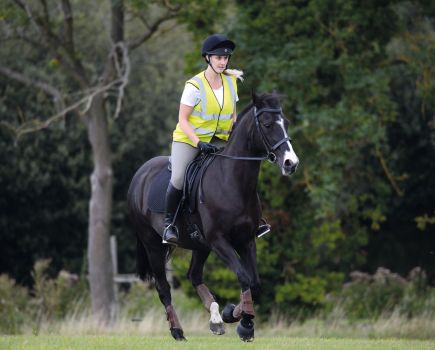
[{"x": 219, "y": 63}]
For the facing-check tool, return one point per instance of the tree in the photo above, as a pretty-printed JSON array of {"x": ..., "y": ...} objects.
[
  {"x": 410, "y": 216},
  {"x": 68, "y": 58},
  {"x": 61, "y": 33},
  {"x": 332, "y": 61}
]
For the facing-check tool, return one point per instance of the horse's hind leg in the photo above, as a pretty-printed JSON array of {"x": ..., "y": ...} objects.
[
  {"x": 195, "y": 275},
  {"x": 157, "y": 260}
]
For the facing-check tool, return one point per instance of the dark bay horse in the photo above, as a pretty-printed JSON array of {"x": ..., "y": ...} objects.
[{"x": 228, "y": 217}]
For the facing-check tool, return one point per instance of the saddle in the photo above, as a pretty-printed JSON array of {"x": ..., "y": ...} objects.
[{"x": 192, "y": 184}]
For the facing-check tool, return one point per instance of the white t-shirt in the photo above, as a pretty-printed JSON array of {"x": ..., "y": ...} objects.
[{"x": 191, "y": 95}]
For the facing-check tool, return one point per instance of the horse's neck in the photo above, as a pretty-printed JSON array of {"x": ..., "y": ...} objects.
[{"x": 244, "y": 172}]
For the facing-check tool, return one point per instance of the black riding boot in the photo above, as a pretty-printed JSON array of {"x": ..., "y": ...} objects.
[{"x": 170, "y": 233}]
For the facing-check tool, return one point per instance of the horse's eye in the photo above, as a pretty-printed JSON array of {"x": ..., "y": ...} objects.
[{"x": 267, "y": 125}]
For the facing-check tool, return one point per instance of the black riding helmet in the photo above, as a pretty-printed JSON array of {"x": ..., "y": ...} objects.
[{"x": 217, "y": 44}]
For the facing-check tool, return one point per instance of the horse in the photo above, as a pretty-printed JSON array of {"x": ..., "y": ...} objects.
[{"x": 227, "y": 216}]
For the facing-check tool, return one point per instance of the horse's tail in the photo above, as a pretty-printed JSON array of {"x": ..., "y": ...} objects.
[{"x": 142, "y": 264}]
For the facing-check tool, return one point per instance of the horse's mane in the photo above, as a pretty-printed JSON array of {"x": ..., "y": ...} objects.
[
  {"x": 260, "y": 101},
  {"x": 245, "y": 110}
]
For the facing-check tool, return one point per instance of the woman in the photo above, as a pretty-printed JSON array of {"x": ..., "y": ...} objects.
[{"x": 207, "y": 113}]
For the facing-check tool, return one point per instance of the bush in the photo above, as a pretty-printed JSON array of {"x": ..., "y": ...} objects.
[
  {"x": 55, "y": 298},
  {"x": 380, "y": 294},
  {"x": 13, "y": 305},
  {"x": 49, "y": 300},
  {"x": 138, "y": 299},
  {"x": 419, "y": 298}
]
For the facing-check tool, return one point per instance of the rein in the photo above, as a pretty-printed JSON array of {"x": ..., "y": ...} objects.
[{"x": 270, "y": 156}]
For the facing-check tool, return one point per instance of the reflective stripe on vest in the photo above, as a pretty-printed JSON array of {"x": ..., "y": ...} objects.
[
  {"x": 208, "y": 118},
  {"x": 232, "y": 89}
]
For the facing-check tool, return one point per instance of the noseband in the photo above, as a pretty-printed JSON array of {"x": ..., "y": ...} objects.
[
  {"x": 270, "y": 149},
  {"x": 270, "y": 156}
]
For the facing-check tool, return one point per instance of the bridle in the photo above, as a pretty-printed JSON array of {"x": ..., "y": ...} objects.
[
  {"x": 271, "y": 156},
  {"x": 270, "y": 149}
]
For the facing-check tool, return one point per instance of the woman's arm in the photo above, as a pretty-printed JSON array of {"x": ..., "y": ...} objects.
[
  {"x": 234, "y": 115},
  {"x": 183, "y": 119}
]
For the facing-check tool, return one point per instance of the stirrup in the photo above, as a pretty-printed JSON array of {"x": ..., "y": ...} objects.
[{"x": 174, "y": 240}]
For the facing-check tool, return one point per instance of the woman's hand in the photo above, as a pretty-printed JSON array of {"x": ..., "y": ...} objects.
[{"x": 207, "y": 148}]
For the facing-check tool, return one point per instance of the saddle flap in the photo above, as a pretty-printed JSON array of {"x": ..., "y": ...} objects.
[
  {"x": 157, "y": 193},
  {"x": 192, "y": 183},
  {"x": 193, "y": 180}
]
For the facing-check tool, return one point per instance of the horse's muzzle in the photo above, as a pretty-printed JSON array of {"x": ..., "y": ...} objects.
[{"x": 289, "y": 167}]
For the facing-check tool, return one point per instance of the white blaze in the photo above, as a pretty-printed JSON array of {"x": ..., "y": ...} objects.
[{"x": 290, "y": 153}]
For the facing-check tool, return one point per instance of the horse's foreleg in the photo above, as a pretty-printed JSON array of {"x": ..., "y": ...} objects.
[
  {"x": 158, "y": 261},
  {"x": 248, "y": 256},
  {"x": 245, "y": 309},
  {"x": 216, "y": 323},
  {"x": 195, "y": 275}
]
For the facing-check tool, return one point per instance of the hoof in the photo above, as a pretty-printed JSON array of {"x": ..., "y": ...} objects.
[
  {"x": 245, "y": 330},
  {"x": 217, "y": 328},
  {"x": 177, "y": 333},
  {"x": 227, "y": 314}
]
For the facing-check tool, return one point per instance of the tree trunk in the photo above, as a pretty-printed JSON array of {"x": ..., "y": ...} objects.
[{"x": 100, "y": 206}]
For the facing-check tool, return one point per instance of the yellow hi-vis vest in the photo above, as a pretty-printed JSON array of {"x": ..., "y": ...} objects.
[{"x": 208, "y": 118}]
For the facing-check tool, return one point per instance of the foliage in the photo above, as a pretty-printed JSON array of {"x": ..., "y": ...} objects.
[
  {"x": 138, "y": 300},
  {"x": 372, "y": 296},
  {"x": 358, "y": 88},
  {"x": 13, "y": 305},
  {"x": 424, "y": 220},
  {"x": 43, "y": 202},
  {"x": 336, "y": 63},
  {"x": 410, "y": 137},
  {"x": 54, "y": 298},
  {"x": 45, "y": 175},
  {"x": 65, "y": 299},
  {"x": 50, "y": 299}
]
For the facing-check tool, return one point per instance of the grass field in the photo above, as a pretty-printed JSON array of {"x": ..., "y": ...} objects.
[
  {"x": 226, "y": 342},
  {"x": 150, "y": 331}
]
